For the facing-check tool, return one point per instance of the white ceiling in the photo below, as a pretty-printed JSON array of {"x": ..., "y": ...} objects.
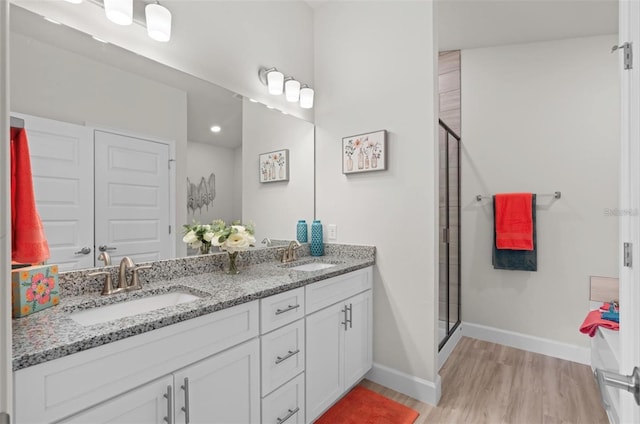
[{"x": 465, "y": 24}]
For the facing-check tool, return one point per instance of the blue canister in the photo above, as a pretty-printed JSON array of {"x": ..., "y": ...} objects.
[
  {"x": 302, "y": 232},
  {"x": 317, "y": 245}
]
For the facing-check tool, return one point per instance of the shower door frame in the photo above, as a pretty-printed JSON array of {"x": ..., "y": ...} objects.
[{"x": 446, "y": 236}]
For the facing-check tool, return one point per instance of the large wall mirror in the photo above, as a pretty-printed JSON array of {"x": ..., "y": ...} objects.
[{"x": 67, "y": 77}]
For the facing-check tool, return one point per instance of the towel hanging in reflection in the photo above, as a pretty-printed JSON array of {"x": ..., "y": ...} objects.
[{"x": 28, "y": 240}]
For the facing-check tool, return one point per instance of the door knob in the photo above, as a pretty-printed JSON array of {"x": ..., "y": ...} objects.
[
  {"x": 630, "y": 383},
  {"x": 84, "y": 251},
  {"x": 104, "y": 248}
]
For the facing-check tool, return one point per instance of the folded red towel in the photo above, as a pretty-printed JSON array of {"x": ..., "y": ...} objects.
[
  {"x": 593, "y": 321},
  {"x": 514, "y": 221},
  {"x": 28, "y": 242}
]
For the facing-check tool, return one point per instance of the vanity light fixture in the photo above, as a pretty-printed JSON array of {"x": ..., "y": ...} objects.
[
  {"x": 119, "y": 11},
  {"x": 306, "y": 97},
  {"x": 216, "y": 129},
  {"x": 291, "y": 89},
  {"x": 277, "y": 84},
  {"x": 158, "y": 22}
]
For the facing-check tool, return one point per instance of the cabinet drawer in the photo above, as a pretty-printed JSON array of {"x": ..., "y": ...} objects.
[
  {"x": 281, "y": 309},
  {"x": 283, "y": 355},
  {"x": 324, "y": 293},
  {"x": 285, "y": 405}
]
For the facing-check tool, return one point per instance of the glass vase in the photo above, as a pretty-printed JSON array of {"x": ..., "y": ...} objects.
[
  {"x": 205, "y": 248},
  {"x": 233, "y": 266}
]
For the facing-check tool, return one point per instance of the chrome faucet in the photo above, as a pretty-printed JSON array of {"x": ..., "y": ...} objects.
[
  {"x": 125, "y": 264},
  {"x": 289, "y": 254}
]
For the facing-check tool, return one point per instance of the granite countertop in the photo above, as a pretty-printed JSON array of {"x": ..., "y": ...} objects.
[{"x": 52, "y": 334}]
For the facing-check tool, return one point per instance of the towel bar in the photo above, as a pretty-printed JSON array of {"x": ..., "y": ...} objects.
[{"x": 556, "y": 195}]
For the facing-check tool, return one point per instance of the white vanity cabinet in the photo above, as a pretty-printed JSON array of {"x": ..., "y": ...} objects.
[
  {"x": 339, "y": 338},
  {"x": 201, "y": 349}
]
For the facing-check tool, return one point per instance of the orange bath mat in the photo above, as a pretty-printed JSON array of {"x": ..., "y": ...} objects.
[{"x": 363, "y": 406}]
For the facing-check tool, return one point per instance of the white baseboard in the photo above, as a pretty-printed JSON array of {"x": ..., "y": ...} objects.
[
  {"x": 423, "y": 390},
  {"x": 448, "y": 347},
  {"x": 579, "y": 354}
]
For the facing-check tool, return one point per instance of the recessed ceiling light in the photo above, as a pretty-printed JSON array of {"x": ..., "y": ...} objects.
[
  {"x": 253, "y": 100},
  {"x": 99, "y": 39},
  {"x": 216, "y": 129},
  {"x": 53, "y": 21}
]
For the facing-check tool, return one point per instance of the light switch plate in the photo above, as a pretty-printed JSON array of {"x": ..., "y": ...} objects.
[{"x": 332, "y": 231}]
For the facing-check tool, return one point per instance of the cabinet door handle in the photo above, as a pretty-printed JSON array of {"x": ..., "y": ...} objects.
[
  {"x": 185, "y": 408},
  {"x": 287, "y": 356},
  {"x": 291, "y": 413},
  {"x": 350, "y": 314},
  {"x": 287, "y": 309},
  {"x": 346, "y": 321},
  {"x": 169, "y": 397}
]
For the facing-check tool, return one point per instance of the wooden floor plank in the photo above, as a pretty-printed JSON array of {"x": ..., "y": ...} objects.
[{"x": 485, "y": 382}]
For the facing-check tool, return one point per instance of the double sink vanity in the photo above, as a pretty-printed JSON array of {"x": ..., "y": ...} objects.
[{"x": 276, "y": 343}]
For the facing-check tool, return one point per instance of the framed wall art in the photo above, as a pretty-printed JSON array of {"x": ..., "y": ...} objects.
[
  {"x": 364, "y": 152},
  {"x": 274, "y": 166}
]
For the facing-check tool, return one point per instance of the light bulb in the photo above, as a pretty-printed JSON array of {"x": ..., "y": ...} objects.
[
  {"x": 292, "y": 90},
  {"x": 158, "y": 22},
  {"x": 306, "y": 97},
  {"x": 275, "y": 81},
  {"x": 119, "y": 11}
]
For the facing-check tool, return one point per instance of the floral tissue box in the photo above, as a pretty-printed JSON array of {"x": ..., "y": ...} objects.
[{"x": 33, "y": 289}]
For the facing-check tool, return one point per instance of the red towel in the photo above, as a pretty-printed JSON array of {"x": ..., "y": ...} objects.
[
  {"x": 606, "y": 306},
  {"x": 514, "y": 221},
  {"x": 28, "y": 242},
  {"x": 593, "y": 320}
]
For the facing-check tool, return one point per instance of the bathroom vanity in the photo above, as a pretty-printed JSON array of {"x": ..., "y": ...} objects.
[{"x": 246, "y": 350}]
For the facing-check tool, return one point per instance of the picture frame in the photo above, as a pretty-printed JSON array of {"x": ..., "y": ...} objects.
[
  {"x": 273, "y": 166},
  {"x": 364, "y": 152}
]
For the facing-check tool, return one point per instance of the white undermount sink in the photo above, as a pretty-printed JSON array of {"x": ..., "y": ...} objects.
[
  {"x": 129, "y": 308},
  {"x": 312, "y": 266}
]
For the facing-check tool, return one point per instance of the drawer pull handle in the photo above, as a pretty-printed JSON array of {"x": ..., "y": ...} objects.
[
  {"x": 291, "y": 413},
  {"x": 169, "y": 396},
  {"x": 287, "y": 356},
  {"x": 185, "y": 408},
  {"x": 346, "y": 320},
  {"x": 287, "y": 309}
]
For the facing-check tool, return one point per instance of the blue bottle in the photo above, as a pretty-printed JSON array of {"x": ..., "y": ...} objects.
[
  {"x": 302, "y": 231},
  {"x": 317, "y": 245}
]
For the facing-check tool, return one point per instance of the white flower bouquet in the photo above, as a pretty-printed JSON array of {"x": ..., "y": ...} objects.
[{"x": 198, "y": 236}]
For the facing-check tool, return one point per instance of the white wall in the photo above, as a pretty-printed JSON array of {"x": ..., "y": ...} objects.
[
  {"x": 204, "y": 159},
  {"x": 276, "y": 207},
  {"x": 375, "y": 69},
  {"x": 55, "y": 83},
  {"x": 539, "y": 118}
]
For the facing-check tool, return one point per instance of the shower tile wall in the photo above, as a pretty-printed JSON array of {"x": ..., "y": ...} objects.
[{"x": 450, "y": 114}]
